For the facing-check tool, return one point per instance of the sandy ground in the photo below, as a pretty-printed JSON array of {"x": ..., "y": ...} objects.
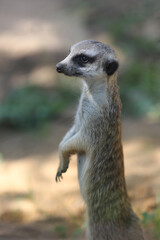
[{"x": 29, "y": 193}]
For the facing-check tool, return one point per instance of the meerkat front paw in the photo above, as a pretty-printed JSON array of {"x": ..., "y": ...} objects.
[
  {"x": 59, "y": 176},
  {"x": 64, "y": 162}
]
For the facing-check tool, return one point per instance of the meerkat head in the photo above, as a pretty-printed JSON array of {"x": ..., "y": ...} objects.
[{"x": 89, "y": 59}]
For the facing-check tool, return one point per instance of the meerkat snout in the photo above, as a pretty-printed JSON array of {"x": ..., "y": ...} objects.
[
  {"x": 89, "y": 59},
  {"x": 59, "y": 68}
]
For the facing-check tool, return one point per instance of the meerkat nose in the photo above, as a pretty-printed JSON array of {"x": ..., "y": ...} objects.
[{"x": 59, "y": 68}]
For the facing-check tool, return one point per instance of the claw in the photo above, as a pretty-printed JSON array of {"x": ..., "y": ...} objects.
[{"x": 59, "y": 176}]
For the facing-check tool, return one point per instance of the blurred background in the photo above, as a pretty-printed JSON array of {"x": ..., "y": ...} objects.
[{"x": 37, "y": 107}]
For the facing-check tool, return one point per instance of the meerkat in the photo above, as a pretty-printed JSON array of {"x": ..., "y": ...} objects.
[{"x": 96, "y": 139}]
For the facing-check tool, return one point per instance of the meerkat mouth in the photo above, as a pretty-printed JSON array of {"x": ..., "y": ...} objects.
[
  {"x": 70, "y": 74},
  {"x": 67, "y": 71}
]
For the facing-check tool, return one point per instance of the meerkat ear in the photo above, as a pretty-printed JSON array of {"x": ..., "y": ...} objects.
[{"x": 111, "y": 66}]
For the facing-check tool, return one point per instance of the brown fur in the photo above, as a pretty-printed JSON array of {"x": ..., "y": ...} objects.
[{"x": 110, "y": 216}]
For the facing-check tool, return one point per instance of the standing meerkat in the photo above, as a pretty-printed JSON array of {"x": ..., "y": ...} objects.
[{"x": 96, "y": 138}]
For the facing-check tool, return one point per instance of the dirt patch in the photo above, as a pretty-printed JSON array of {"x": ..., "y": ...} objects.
[{"x": 28, "y": 191}]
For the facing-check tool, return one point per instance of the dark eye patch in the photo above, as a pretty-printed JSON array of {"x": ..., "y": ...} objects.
[{"x": 82, "y": 59}]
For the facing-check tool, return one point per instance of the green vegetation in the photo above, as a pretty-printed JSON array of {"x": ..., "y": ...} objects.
[
  {"x": 71, "y": 227},
  {"x": 151, "y": 221},
  {"x": 139, "y": 81},
  {"x": 61, "y": 231},
  {"x": 139, "y": 89},
  {"x": 139, "y": 78},
  {"x": 33, "y": 106}
]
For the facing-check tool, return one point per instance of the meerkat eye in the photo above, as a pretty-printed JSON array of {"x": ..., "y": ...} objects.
[{"x": 84, "y": 59}]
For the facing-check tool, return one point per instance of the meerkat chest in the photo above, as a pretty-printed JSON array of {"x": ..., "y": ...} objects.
[
  {"x": 86, "y": 112},
  {"x": 90, "y": 107}
]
